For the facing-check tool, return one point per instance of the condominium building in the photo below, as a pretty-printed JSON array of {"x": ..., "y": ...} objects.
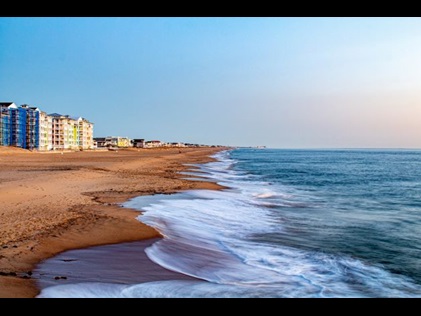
[
  {"x": 30, "y": 128},
  {"x": 45, "y": 132},
  {"x": 71, "y": 133},
  {"x": 13, "y": 129},
  {"x": 86, "y": 133},
  {"x": 5, "y": 109}
]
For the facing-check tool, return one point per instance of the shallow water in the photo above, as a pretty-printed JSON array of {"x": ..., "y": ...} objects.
[{"x": 294, "y": 223}]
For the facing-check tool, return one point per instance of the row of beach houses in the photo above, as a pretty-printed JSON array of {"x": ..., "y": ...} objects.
[
  {"x": 28, "y": 127},
  {"x": 125, "y": 142}
]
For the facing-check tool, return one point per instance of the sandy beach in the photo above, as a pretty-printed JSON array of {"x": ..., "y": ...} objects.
[{"x": 52, "y": 202}]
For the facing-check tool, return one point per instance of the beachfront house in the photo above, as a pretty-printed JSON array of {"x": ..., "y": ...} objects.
[
  {"x": 138, "y": 142},
  {"x": 176, "y": 144},
  {"x": 153, "y": 144},
  {"x": 117, "y": 141}
]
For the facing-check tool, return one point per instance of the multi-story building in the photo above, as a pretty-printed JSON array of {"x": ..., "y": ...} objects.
[
  {"x": 71, "y": 133},
  {"x": 13, "y": 125},
  {"x": 57, "y": 135},
  {"x": 63, "y": 132},
  {"x": 30, "y": 128},
  {"x": 85, "y": 133},
  {"x": 45, "y": 132},
  {"x": 5, "y": 109}
]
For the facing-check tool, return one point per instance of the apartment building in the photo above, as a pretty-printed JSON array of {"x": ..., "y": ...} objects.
[
  {"x": 45, "y": 132},
  {"x": 85, "y": 133},
  {"x": 13, "y": 121},
  {"x": 30, "y": 128}
]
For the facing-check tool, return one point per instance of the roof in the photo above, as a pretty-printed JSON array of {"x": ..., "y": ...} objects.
[
  {"x": 7, "y": 104},
  {"x": 80, "y": 118},
  {"x": 26, "y": 106},
  {"x": 55, "y": 114}
]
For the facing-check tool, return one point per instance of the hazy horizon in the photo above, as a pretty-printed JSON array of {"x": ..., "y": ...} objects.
[{"x": 304, "y": 82}]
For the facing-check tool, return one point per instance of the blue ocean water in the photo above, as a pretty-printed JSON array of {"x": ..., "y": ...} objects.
[{"x": 292, "y": 223}]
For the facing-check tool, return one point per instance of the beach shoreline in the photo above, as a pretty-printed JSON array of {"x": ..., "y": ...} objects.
[{"x": 53, "y": 202}]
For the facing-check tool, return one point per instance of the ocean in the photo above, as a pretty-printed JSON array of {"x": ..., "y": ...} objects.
[{"x": 292, "y": 224}]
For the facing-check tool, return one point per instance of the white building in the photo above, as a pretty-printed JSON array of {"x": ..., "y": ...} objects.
[
  {"x": 45, "y": 131},
  {"x": 85, "y": 133}
]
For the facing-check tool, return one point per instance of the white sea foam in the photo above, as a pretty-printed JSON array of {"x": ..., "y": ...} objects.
[{"x": 209, "y": 235}]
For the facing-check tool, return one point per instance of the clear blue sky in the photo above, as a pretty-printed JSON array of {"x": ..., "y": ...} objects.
[{"x": 279, "y": 82}]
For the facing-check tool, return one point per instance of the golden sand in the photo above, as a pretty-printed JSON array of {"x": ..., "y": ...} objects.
[{"x": 52, "y": 202}]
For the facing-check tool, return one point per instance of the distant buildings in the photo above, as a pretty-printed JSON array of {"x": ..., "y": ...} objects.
[
  {"x": 138, "y": 142},
  {"x": 153, "y": 144},
  {"x": 125, "y": 142},
  {"x": 30, "y": 128},
  {"x": 113, "y": 141},
  {"x": 121, "y": 142}
]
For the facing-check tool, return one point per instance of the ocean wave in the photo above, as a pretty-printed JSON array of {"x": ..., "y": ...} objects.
[{"x": 211, "y": 235}]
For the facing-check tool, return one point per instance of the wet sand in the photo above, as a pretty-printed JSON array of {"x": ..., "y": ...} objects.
[
  {"x": 53, "y": 202},
  {"x": 123, "y": 263}
]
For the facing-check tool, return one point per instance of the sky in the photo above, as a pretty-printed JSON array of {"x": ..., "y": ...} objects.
[{"x": 281, "y": 82}]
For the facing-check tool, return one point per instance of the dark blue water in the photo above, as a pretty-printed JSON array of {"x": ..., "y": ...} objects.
[
  {"x": 294, "y": 223},
  {"x": 359, "y": 203}
]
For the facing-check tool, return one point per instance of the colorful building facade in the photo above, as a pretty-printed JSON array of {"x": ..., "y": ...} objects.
[
  {"x": 30, "y": 128},
  {"x": 13, "y": 129},
  {"x": 71, "y": 133},
  {"x": 117, "y": 141}
]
